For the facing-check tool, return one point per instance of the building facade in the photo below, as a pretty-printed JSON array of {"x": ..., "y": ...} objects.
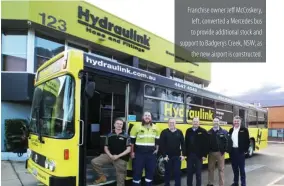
[
  {"x": 34, "y": 31},
  {"x": 276, "y": 122}
]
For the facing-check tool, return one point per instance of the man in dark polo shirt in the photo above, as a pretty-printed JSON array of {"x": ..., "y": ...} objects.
[
  {"x": 117, "y": 149},
  {"x": 196, "y": 150},
  {"x": 172, "y": 149}
]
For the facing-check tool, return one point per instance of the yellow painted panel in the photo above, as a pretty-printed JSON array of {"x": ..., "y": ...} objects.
[{"x": 15, "y": 10}]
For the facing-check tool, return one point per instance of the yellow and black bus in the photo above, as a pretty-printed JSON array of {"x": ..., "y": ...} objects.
[{"x": 78, "y": 95}]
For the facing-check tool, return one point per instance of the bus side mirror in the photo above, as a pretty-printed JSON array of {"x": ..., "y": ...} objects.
[{"x": 90, "y": 89}]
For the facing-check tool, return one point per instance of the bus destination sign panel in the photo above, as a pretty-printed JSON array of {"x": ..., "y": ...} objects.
[{"x": 51, "y": 69}]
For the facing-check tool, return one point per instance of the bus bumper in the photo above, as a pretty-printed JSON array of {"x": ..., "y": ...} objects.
[{"x": 48, "y": 179}]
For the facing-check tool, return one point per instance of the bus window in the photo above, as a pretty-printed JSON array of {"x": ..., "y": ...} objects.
[
  {"x": 163, "y": 110},
  {"x": 236, "y": 110},
  {"x": 252, "y": 118},
  {"x": 266, "y": 120},
  {"x": 136, "y": 95},
  {"x": 175, "y": 96},
  {"x": 228, "y": 107},
  {"x": 223, "y": 113},
  {"x": 154, "y": 91},
  {"x": 223, "y": 106},
  {"x": 163, "y": 103},
  {"x": 152, "y": 106},
  {"x": 56, "y": 107},
  {"x": 208, "y": 103},
  {"x": 193, "y": 99},
  {"x": 261, "y": 118}
]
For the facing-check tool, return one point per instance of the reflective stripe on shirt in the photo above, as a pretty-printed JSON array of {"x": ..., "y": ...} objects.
[{"x": 145, "y": 136}]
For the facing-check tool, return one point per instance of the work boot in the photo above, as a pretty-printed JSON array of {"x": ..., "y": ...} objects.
[
  {"x": 101, "y": 179},
  {"x": 235, "y": 184}
]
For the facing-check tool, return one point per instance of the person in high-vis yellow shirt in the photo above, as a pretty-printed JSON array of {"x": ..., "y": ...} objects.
[{"x": 144, "y": 142}]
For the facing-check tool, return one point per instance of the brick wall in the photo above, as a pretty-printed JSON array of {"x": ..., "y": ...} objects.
[
  {"x": 276, "y": 123},
  {"x": 276, "y": 117}
]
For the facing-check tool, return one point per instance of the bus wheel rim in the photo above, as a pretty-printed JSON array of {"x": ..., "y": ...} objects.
[
  {"x": 251, "y": 149},
  {"x": 161, "y": 166}
]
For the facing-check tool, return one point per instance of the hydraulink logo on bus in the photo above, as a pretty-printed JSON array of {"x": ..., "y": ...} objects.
[
  {"x": 171, "y": 110},
  {"x": 104, "y": 28},
  {"x": 205, "y": 114},
  {"x": 118, "y": 68}
]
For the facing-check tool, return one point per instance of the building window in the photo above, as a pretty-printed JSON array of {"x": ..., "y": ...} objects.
[
  {"x": 127, "y": 61},
  {"x": 104, "y": 55},
  {"x": 77, "y": 47},
  {"x": 46, "y": 48},
  {"x": 188, "y": 80},
  {"x": 142, "y": 66},
  {"x": 14, "y": 51},
  {"x": 152, "y": 67},
  {"x": 178, "y": 76}
]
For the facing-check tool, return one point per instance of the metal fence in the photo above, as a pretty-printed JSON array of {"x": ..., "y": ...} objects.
[{"x": 276, "y": 134}]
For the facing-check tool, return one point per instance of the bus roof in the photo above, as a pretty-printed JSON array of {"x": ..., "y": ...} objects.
[{"x": 104, "y": 64}]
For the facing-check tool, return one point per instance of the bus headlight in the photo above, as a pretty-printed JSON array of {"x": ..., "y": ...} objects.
[
  {"x": 46, "y": 164},
  {"x": 52, "y": 166},
  {"x": 29, "y": 152},
  {"x": 49, "y": 164}
]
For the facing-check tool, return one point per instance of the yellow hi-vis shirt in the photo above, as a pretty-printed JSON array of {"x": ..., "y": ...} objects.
[{"x": 145, "y": 136}]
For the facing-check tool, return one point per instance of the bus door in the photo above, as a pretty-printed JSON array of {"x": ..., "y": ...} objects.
[{"x": 101, "y": 106}]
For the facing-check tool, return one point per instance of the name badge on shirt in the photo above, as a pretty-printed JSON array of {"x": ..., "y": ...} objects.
[
  {"x": 199, "y": 132},
  {"x": 121, "y": 138}
]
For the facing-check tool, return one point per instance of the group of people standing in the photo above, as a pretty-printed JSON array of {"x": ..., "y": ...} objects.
[{"x": 146, "y": 142}]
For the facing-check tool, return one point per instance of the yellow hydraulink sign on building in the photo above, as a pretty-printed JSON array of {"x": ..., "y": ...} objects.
[{"x": 88, "y": 22}]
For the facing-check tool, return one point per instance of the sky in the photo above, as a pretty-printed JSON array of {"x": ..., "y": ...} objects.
[{"x": 231, "y": 79}]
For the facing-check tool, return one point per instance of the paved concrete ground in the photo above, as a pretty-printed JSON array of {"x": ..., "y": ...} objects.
[
  {"x": 15, "y": 174},
  {"x": 266, "y": 168}
]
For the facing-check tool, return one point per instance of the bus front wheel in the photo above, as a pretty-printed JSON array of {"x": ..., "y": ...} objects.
[
  {"x": 160, "y": 170},
  {"x": 251, "y": 149}
]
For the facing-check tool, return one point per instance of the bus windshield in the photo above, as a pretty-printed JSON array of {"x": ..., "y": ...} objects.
[{"x": 52, "y": 113}]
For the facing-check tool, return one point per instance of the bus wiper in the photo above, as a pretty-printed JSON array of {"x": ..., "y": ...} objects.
[
  {"x": 40, "y": 131},
  {"x": 27, "y": 128},
  {"x": 39, "y": 126}
]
